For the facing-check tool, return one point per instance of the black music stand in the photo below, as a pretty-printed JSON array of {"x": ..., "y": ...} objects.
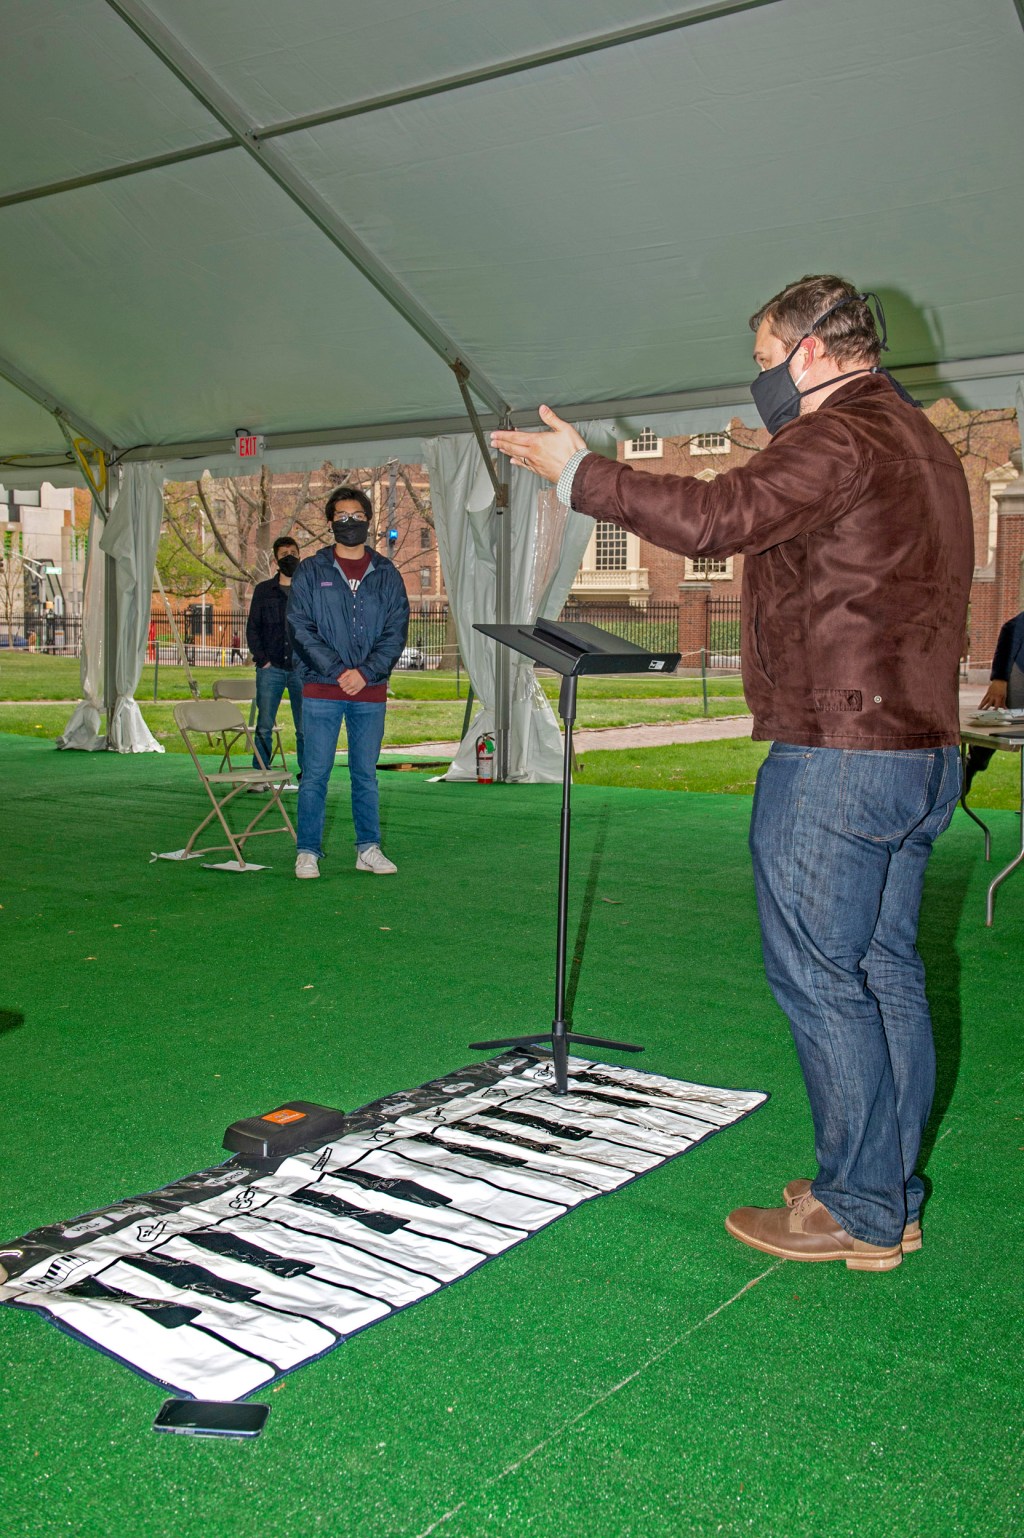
[{"x": 570, "y": 650}]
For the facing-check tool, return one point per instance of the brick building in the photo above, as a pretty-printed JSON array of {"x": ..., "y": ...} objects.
[{"x": 620, "y": 567}]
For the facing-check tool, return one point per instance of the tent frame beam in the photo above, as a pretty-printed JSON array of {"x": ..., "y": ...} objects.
[
  {"x": 712, "y": 11},
  {"x": 924, "y": 377},
  {"x": 187, "y": 68},
  {"x": 64, "y": 414}
]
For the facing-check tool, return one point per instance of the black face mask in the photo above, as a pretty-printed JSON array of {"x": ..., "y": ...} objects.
[
  {"x": 288, "y": 565},
  {"x": 774, "y": 391},
  {"x": 350, "y": 534}
]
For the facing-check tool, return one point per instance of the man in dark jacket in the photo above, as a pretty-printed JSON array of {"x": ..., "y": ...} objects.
[
  {"x": 270, "y": 644},
  {"x": 855, "y": 524},
  {"x": 349, "y": 617},
  {"x": 1005, "y": 689}
]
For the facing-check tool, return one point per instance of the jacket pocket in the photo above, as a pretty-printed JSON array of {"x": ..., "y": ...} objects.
[
  {"x": 827, "y": 700},
  {"x": 760, "y": 645}
]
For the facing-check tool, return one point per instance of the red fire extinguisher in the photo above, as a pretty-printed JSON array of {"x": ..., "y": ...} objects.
[{"x": 485, "y": 759}]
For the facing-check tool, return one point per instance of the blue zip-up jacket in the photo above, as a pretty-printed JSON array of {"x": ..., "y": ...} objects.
[{"x": 333, "y": 629}]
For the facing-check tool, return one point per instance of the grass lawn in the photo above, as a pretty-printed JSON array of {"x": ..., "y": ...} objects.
[{"x": 25, "y": 676}]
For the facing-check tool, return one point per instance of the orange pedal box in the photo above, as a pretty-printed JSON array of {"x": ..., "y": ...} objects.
[{"x": 295, "y": 1127}]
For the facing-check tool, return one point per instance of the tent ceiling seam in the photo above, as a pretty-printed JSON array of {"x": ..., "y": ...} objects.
[
  {"x": 389, "y": 99},
  {"x": 177, "y": 58},
  {"x": 489, "y": 72}
]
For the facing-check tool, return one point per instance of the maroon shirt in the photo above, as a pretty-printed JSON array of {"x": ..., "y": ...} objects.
[{"x": 353, "y": 570}]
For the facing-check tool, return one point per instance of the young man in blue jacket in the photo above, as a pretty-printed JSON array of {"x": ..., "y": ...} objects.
[{"x": 349, "y": 617}]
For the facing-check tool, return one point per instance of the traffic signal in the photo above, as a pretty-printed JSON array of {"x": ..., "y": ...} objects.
[{"x": 392, "y": 538}]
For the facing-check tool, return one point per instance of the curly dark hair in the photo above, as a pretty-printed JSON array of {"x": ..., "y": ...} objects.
[{"x": 849, "y": 333}]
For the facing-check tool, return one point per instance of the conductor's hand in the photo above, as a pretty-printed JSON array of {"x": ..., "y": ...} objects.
[
  {"x": 546, "y": 454},
  {"x": 351, "y": 681},
  {"x": 995, "y": 696}
]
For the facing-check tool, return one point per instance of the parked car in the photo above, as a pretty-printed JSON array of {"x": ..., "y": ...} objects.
[{"x": 411, "y": 657}]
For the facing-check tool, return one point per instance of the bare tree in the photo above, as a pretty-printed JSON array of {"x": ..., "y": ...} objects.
[
  {"x": 12, "y": 579},
  {"x": 244, "y": 515},
  {"x": 225, "y": 529}
]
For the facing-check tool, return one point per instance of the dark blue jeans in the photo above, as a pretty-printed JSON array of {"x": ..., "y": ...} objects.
[
  {"x": 271, "y": 683},
  {"x": 840, "y": 841},
  {"x": 364, "y": 728}
]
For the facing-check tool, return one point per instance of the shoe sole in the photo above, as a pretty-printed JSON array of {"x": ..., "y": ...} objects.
[
  {"x": 307, "y": 875},
  {"x": 910, "y": 1242},
  {"x": 854, "y": 1262},
  {"x": 368, "y": 870}
]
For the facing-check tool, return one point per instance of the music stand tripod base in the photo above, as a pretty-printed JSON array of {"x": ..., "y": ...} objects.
[{"x": 570, "y": 650}]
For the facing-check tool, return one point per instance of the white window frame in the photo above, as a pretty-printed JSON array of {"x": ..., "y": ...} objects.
[
  {"x": 710, "y": 443},
  {"x": 998, "y": 480},
  {"x": 691, "y": 574},
  {"x": 651, "y": 446},
  {"x": 620, "y": 536}
]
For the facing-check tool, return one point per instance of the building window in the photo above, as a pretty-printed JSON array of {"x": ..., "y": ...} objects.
[
  {"x": 609, "y": 547},
  {"x": 426, "y": 578},
  {"x": 646, "y": 446},
  {"x": 708, "y": 568},
  {"x": 709, "y": 443},
  {"x": 424, "y": 539}
]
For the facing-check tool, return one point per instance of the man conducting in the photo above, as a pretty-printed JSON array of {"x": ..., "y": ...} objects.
[
  {"x": 855, "y": 525},
  {"x": 270, "y": 644},
  {"x": 349, "y": 617}
]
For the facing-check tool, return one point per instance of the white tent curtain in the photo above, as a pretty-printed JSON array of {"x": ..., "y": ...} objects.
[
  {"x": 83, "y": 729},
  {"x": 548, "y": 541},
  {"x": 130, "y": 536}
]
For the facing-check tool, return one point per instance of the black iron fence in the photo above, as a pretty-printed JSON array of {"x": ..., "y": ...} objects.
[
  {"x": 722, "y": 639},
  {"x": 655, "y": 626},
  {"x": 216, "y": 637},
  {"x": 41, "y": 630}
]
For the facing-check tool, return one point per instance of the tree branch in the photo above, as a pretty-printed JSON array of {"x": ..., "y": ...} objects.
[{"x": 218, "y": 536}]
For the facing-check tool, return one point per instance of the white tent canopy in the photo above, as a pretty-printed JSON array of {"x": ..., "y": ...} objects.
[
  {"x": 588, "y": 230},
  {"x": 294, "y": 218}
]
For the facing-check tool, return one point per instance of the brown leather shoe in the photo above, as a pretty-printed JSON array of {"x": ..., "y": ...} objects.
[
  {"x": 808, "y": 1231},
  {"x": 910, "y": 1242}
]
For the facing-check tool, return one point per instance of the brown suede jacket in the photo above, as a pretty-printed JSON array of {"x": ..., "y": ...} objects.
[{"x": 855, "y": 525}]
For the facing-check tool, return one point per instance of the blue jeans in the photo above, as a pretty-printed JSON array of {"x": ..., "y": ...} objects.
[
  {"x": 271, "y": 683},
  {"x": 840, "y": 841},
  {"x": 364, "y": 727}
]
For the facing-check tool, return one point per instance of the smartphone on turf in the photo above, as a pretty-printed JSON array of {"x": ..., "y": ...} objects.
[{"x": 211, "y": 1418}]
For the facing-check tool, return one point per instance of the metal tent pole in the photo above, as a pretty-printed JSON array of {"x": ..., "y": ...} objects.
[{"x": 503, "y": 616}]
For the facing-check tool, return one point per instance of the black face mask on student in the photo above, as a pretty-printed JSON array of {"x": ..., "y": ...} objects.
[
  {"x": 288, "y": 565},
  {"x": 346, "y": 533}
]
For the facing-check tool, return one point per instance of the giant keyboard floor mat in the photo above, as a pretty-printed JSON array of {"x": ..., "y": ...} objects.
[{"x": 219, "y": 1284}]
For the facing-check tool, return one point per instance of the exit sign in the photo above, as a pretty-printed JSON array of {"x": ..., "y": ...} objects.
[{"x": 248, "y": 445}]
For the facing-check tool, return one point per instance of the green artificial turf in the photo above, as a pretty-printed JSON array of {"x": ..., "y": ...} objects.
[{"x": 631, "y": 1370}]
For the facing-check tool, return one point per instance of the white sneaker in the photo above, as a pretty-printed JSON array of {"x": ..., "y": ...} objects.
[
  {"x": 374, "y": 859},
  {"x": 307, "y": 866}
]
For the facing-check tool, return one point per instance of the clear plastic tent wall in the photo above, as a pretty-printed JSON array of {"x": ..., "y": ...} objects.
[{"x": 548, "y": 541}]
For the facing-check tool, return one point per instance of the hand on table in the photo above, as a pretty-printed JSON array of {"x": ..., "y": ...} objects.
[
  {"x": 546, "y": 454},
  {"x": 994, "y": 697}
]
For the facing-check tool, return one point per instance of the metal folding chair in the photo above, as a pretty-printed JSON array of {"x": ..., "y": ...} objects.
[
  {"x": 244, "y": 689},
  {"x": 217, "y": 721}
]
